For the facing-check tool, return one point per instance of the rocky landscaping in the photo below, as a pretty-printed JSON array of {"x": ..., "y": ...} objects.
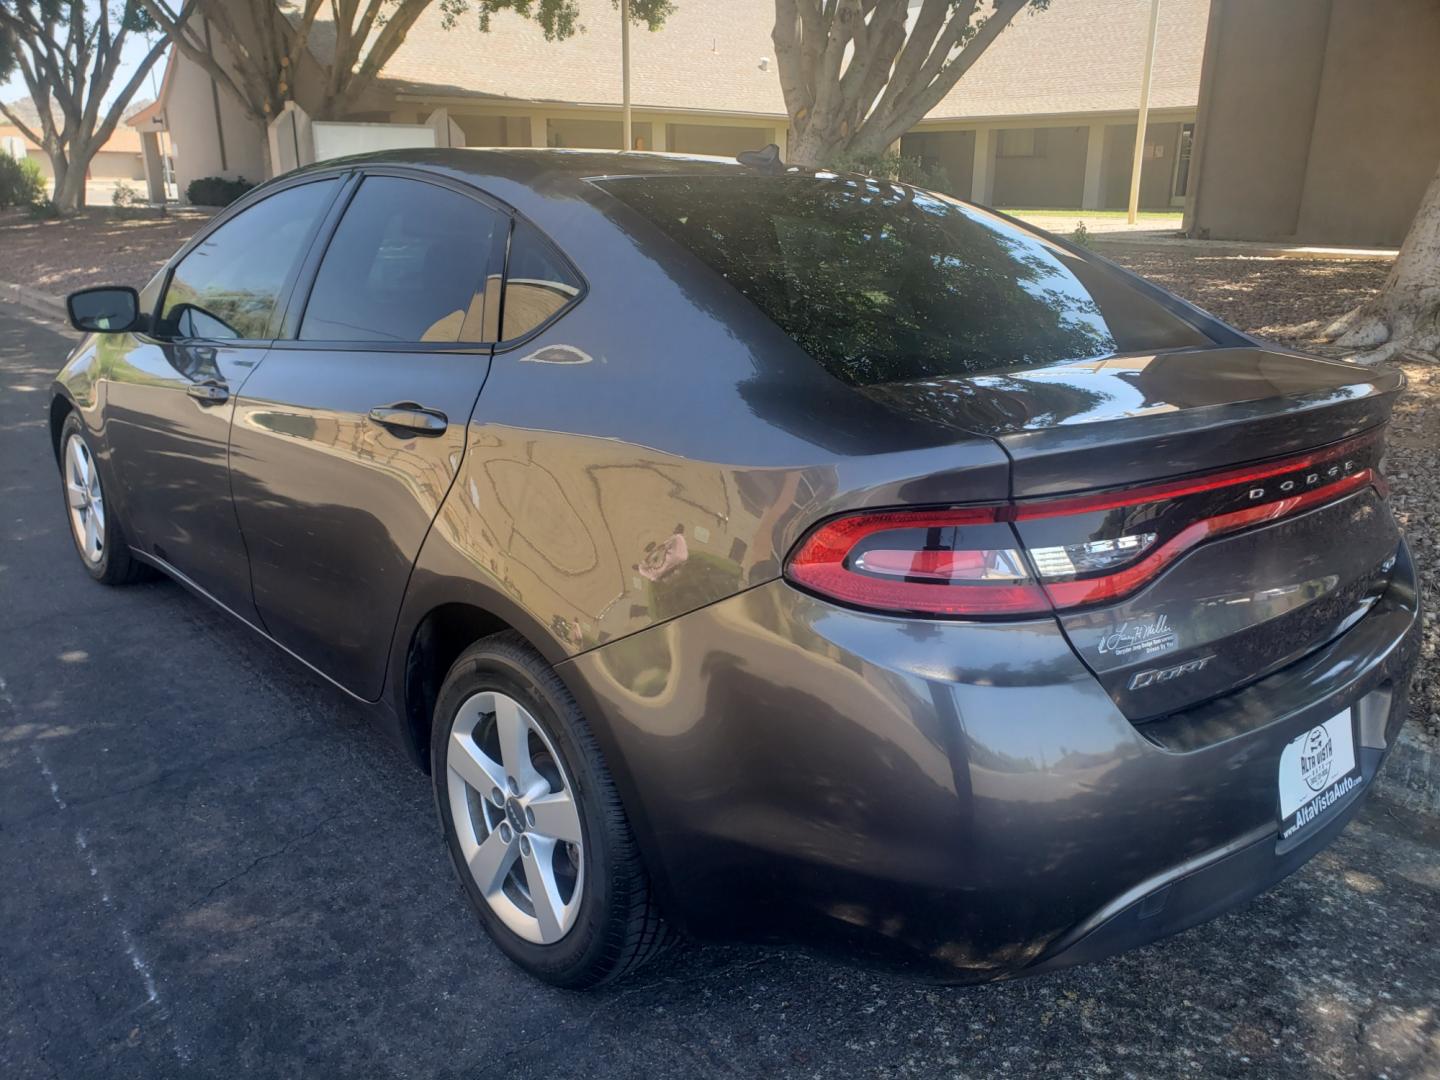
[{"x": 1291, "y": 300}]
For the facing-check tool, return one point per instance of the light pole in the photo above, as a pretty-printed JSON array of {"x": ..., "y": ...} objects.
[
  {"x": 625, "y": 70},
  {"x": 1144, "y": 112}
]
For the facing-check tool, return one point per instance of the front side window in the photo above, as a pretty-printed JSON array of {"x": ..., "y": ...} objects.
[
  {"x": 229, "y": 286},
  {"x": 885, "y": 283},
  {"x": 410, "y": 262}
]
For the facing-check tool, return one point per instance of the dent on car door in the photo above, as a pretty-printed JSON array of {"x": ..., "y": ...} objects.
[
  {"x": 348, "y": 437},
  {"x": 170, "y": 394}
]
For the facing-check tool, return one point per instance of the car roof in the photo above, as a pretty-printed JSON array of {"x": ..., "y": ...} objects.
[{"x": 541, "y": 167}]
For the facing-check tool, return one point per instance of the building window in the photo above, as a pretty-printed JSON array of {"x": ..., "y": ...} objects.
[
  {"x": 1182, "y": 161},
  {"x": 1021, "y": 142}
]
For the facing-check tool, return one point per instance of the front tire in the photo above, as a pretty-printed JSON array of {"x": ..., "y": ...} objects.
[
  {"x": 533, "y": 822},
  {"x": 99, "y": 539}
]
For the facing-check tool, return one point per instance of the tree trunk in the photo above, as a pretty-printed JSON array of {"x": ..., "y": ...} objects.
[
  {"x": 60, "y": 167},
  {"x": 69, "y": 184},
  {"x": 810, "y": 149},
  {"x": 1404, "y": 316}
]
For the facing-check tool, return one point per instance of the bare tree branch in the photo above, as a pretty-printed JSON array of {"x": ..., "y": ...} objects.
[{"x": 858, "y": 74}]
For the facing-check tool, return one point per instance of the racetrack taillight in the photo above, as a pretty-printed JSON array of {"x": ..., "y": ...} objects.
[
  {"x": 1043, "y": 555},
  {"x": 938, "y": 562}
]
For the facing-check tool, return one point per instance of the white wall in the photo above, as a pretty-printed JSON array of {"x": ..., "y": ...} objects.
[
  {"x": 334, "y": 140},
  {"x": 194, "y": 138}
]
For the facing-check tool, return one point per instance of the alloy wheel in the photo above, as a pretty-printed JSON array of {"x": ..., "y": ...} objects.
[
  {"x": 85, "y": 499},
  {"x": 516, "y": 817}
]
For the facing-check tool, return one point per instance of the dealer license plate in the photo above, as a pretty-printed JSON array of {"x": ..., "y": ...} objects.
[{"x": 1317, "y": 770}]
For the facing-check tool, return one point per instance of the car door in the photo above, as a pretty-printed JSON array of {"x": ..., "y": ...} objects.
[
  {"x": 169, "y": 394},
  {"x": 349, "y": 435}
]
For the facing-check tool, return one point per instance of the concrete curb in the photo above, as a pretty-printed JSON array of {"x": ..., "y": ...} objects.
[{"x": 34, "y": 300}]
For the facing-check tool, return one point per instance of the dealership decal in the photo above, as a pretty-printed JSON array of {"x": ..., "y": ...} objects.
[
  {"x": 1317, "y": 755},
  {"x": 1139, "y": 638},
  {"x": 1317, "y": 769},
  {"x": 1323, "y": 802}
]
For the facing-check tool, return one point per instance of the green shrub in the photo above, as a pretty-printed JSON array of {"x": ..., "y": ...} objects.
[
  {"x": 44, "y": 210},
  {"x": 21, "y": 182},
  {"x": 216, "y": 190},
  {"x": 1081, "y": 236},
  {"x": 125, "y": 195},
  {"x": 893, "y": 166}
]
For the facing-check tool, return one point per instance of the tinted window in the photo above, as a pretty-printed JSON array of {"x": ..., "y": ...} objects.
[
  {"x": 228, "y": 287},
  {"x": 408, "y": 263},
  {"x": 883, "y": 283},
  {"x": 538, "y": 282}
]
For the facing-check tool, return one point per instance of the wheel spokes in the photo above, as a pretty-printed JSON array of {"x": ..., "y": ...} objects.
[
  {"x": 492, "y": 862},
  {"x": 474, "y": 766},
  {"x": 543, "y": 889},
  {"x": 80, "y": 460},
  {"x": 92, "y": 536},
  {"x": 75, "y": 494},
  {"x": 509, "y": 838},
  {"x": 512, "y": 728},
  {"x": 556, "y": 816}
]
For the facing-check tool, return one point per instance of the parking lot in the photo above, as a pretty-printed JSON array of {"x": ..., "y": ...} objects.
[{"x": 213, "y": 866}]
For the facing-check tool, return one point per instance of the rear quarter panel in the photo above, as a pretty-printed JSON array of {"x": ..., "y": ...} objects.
[{"x": 658, "y": 448}]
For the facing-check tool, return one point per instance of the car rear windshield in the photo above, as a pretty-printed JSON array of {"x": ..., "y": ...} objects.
[{"x": 884, "y": 283}]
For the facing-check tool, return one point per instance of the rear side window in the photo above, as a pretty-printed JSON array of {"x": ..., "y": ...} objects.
[
  {"x": 539, "y": 284},
  {"x": 883, "y": 283},
  {"x": 409, "y": 263},
  {"x": 228, "y": 286}
]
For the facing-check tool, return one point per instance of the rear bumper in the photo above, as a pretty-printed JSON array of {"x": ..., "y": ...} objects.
[
  {"x": 959, "y": 801},
  {"x": 1197, "y": 891}
]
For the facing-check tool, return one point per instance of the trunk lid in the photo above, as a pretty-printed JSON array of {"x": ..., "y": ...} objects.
[{"x": 1246, "y": 477}]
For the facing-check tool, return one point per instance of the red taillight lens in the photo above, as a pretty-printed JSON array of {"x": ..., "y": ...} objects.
[
  {"x": 1061, "y": 553},
  {"x": 938, "y": 562}
]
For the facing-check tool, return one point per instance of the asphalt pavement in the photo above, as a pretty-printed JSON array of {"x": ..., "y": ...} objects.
[{"x": 211, "y": 865}]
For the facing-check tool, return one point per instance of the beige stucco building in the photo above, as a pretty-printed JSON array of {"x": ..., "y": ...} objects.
[
  {"x": 1045, "y": 118},
  {"x": 1319, "y": 120},
  {"x": 118, "y": 159}
]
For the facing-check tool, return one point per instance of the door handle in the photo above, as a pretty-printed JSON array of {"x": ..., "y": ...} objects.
[
  {"x": 209, "y": 393},
  {"x": 408, "y": 416}
]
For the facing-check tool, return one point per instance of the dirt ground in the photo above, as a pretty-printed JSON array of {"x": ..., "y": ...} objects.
[
  {"x": 1291, "y": 300},
  {"x": 97, "y": 247}
]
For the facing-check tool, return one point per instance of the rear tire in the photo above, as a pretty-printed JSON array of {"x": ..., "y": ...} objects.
[
  {"x": 602, "y": 920},
  {"x": 94, "y": 527}
]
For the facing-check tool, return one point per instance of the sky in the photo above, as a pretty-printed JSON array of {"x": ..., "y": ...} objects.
[{"x": 135, "y": 50}]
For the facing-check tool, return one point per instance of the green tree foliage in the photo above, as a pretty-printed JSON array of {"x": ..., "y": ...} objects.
[{"x": 892, "y": 166}]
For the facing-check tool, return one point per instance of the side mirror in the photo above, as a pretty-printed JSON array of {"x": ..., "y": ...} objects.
[{"x": 109, "y": 309}]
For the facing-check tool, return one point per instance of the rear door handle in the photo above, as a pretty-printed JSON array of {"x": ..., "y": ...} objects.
[
  {"x": 209, "y": 393},
  {"x": 408, "y": 416}
]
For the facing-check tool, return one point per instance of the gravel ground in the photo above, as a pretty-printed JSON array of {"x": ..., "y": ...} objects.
[
  {"x": 1290, "y": 301},
  {"x": 97, "y": 247}
]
